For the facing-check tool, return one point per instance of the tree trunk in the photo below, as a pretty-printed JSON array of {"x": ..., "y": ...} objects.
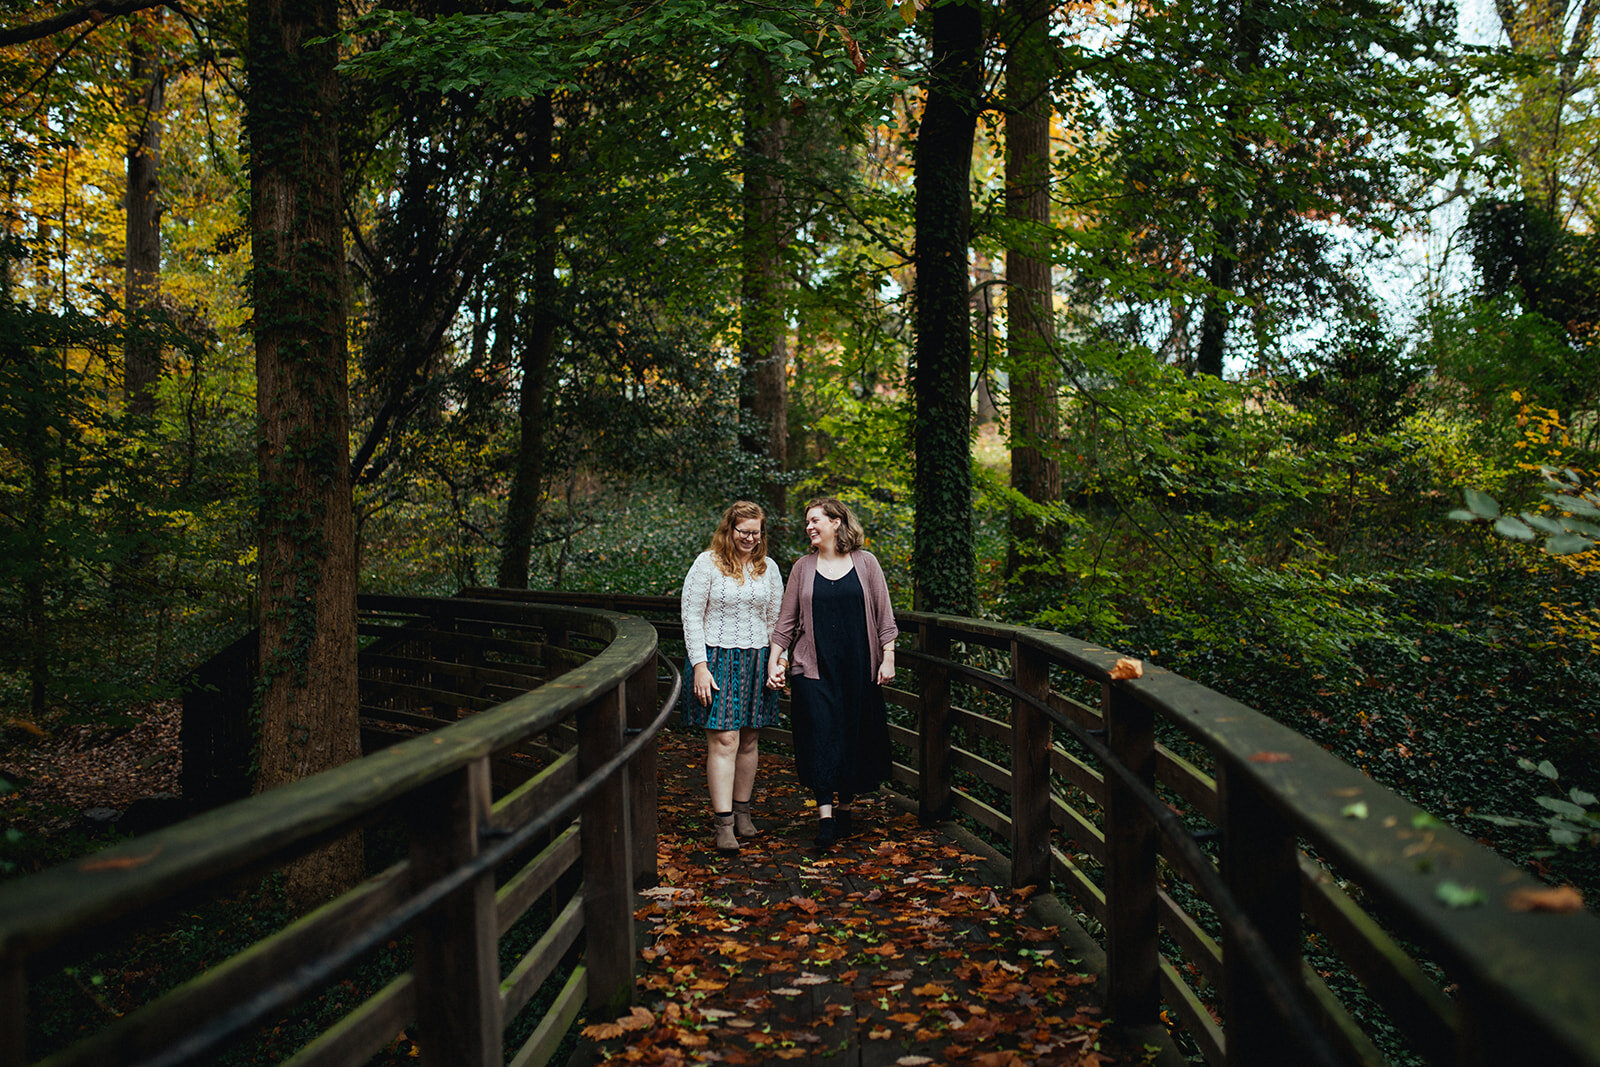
[
  {"x": 1030, "y": 306},
  {"x": 308, "y": 697},
  {"x": 942, "y": 550},
  {"x": 141, "y": 367},
  {"x": 538, "y": 352},
  {"x": 763, "y": 328}
]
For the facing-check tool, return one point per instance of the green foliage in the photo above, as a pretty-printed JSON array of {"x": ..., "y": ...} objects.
[
  {"x": 1572, "y": 820},
  {"x": 1572, "y": 526}
]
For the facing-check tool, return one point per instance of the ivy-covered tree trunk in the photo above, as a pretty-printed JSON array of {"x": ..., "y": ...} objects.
[
  {"x": 1030, "y": 308},
  {"x": 308, "y": 697},
  {"x": 538, "y": 352},
  {"x": 142, "y": 265},
  {"x": 942, "y": 552},
  {"x": 763, "y": 328}
]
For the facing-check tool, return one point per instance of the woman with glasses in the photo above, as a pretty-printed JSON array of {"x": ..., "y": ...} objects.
[
  {"x": 838, "y": 627},
  {"x": 730, "y": 601}
]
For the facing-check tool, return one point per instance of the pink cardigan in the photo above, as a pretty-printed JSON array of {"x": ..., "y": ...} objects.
[{"x": 795, "y": 624}]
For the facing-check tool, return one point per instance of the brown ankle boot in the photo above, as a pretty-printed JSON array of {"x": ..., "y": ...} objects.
[
  {"x": 726, "y": 841},
  {"x": 743, "y": 825}
]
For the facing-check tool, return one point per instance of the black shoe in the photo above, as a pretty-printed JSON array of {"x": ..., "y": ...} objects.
[
  {"x": 846, "y": 827},
  {"x": 826, "y": 833}
]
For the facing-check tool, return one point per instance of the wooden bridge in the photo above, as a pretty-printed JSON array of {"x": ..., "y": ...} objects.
[{"x": 1273, "y": 902}]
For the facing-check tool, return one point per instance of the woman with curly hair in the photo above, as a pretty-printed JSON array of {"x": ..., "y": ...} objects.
[
  {"x": 839, "y": 629},
  {"x": 730, "y": 601}
]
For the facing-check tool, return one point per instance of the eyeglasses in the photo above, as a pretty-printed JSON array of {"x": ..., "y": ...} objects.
[{"x": 748, "y": 535}]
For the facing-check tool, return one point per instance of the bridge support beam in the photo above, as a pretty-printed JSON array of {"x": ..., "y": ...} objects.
[
  {"x": 457, "y": 965},
  {"x": 607, "y": 859},
  {"x": 1030, "y": 771},
  {"x": 1261, "y": 867},
  {"x": 642, "y": 819},
  {"x": 935, "y": 773},
  {"x": 1133, "y": 975}
]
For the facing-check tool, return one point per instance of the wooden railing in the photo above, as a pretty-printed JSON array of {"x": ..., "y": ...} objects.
[
  {"x": 1281, "y": 904},
  {"x": 513, "y": 825}
]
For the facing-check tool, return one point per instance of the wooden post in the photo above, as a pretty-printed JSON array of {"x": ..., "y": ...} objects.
[
  {"x": 1133, "y": 976},
  {"x": 934, "y": 769},
  {"x": 607, "y": 881},
  {"x": 1030, "y": 771},
  {"x": 457, "y": 966},
  {"x": 1260, "y": 865},
  {"x": 642, "y": 785}
]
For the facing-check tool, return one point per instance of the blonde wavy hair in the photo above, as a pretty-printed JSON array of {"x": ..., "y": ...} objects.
[
  {"x": 725, "y": 552},
  {"x": 851, "y": 536}
]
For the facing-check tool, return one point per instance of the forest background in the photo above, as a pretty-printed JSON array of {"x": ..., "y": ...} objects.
[{"x": 1091, "y": 310}]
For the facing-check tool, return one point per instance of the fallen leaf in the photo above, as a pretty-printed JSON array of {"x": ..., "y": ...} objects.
[
  {"x": 640, "y": 1018},
  {"x": 1561, "y": 898},
  {"x": 1126, "y": 668},
  {"x": 1271, "y": 757},
  {"x": 602, "y": 1031},
  {"x": 1358, "y": 810},
  {"x": 1453, "y": 895},
  {"x": 118, "y": 863}
]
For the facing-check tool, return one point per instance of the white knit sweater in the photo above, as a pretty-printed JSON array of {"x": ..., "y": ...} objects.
[{"x": 725, "y": 613}]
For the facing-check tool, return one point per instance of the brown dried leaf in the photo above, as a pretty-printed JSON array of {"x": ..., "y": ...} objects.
[
  {"x": 1271, "y": 757},
  {"x": 1126, "y": 668},
  {"x": 118, "y": 863},
  {"x": 1560, "y": 899}
]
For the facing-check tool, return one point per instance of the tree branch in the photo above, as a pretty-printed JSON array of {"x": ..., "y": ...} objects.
[{"x": 95, "y": 11}]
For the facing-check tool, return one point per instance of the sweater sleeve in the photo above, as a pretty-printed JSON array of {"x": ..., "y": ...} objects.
[
  {"x": 774, "y": 602},
  {"x": 878, "y": 589},
  {"x": 788, "y": 620},
  {"x": 695, "y": 600}
]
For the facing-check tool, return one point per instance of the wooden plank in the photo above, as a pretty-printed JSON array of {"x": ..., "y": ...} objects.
[
  {"x": 535, "y": 878},
  {"x": 464, "y": 672},
  {"x": 642, "y": 786},
  {"x": 537, "y": 794},
  {"x": 363, "y": 1033},
  {"x": 1080, "y": 774},
  {"x": 1199, "y": 947},
  {"x": 546, "y": 1038},
  {"x": 993, "y": 818},
  {"x": 1079, "y": 829},
  {"x": 1085, "y": 893},
  {"x": 986, "y": 771},
  {"x": 1133, "y": 991},
  {"x": 1388, "y": 973},
  {"x": 1085, "y": 716},
  {"x": 1338, "y": 1025},
  {"x": 152, "y": 1028},
  {"x": 1185, "y": 1003},
  {"x": 1197, "y": 788},
  {"x": 456, "y": 963},
  {"x": 422, "y": 694},
  {"x": 980, "y": 725},
  {"x": 542, "y": 959}
]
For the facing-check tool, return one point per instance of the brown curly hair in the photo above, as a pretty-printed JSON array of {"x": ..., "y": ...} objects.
[
  {"x": 851, "y": 535},
  {"x": 725, "y": 553}
]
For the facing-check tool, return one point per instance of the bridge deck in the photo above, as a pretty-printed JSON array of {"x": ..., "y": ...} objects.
[{"x": 893, "y": 948}]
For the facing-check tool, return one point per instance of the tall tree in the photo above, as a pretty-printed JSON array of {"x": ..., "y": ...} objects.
[
  {"x": 942, "y": 552},
  {"x": 142, "y": 266},
  {"x": 536, "y": 352},
  {"x": 763, "y": 325},
  {"x": 1030, "y": 305},
  {"x": 308, "y": 698}
]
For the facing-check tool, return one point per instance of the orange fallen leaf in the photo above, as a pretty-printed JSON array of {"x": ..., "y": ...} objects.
[
  {"x": 932, "y": 989},
  {"x": 1271, "y": 757},
  {"x": 602, "y": 1031},
  {"x": 118, "y": 863},
  {"x": 1562, "y": 898},
  {"x": 1126, "y": 668}
]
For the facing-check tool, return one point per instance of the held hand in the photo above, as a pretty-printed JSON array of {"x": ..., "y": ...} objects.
[
  {"x": 886, "y": 669},
  {"x": 704, "y": 684},
  {"x": 777, "y": 674}
]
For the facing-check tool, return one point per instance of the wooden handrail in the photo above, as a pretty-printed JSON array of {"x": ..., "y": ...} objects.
[
  {"x": 444, "y": 893},
  {"x": 1525, "y": 984}
]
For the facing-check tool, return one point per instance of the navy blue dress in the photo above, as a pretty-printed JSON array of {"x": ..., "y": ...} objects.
[{"x": 841, "y": 729}]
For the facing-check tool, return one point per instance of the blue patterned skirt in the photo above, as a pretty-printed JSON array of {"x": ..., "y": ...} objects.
[{"x": 741, "y": 699}]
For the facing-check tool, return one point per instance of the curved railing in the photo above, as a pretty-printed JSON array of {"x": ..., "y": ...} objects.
[
  {"x": 1280, "y": 903},
  {"x": 513, "y": 831}
]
